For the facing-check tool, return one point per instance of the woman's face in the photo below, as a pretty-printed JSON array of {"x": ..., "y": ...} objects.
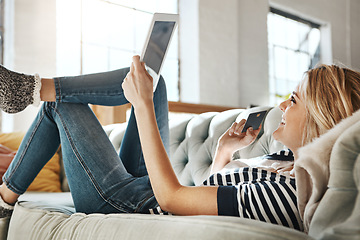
[{"x": 291, "y": 128}]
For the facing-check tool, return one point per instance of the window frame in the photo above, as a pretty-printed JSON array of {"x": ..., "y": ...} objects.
[{"x": 294, "y": 17}]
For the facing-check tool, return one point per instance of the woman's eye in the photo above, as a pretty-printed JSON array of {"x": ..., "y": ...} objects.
[{"x": 292, "y": 99}]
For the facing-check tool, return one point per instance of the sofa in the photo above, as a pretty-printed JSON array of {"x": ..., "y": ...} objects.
[{"x": 193, "y": 139}]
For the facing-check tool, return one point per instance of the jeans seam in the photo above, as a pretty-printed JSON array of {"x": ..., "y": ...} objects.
[
  {"x": 21, "y": 158},
  {"x": 58, "y": 89},
  {"x": 137, "y": 210},
  {"x": 108, "y": 93},
  {"x": 79, "y": 158}
]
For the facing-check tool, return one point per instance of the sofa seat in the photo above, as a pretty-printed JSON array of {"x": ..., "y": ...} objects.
[{"x": 50, "y": 216}]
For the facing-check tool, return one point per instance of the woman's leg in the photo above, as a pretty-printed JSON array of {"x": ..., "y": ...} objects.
[
  {"x": 71, "y": 89},
  {"x": 105, "y": 89},
  {"x": 19, "y": 90},
  {"x": 99, "y": 88},
  {"x": 45, "y": 137},
  {"x": 97, "y": 178}
]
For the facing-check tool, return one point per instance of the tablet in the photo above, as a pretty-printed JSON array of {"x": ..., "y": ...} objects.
[{"x": 157, "y": 43}]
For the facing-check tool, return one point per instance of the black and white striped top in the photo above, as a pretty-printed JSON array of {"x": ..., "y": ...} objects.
[{"x": 256, "y": 194}]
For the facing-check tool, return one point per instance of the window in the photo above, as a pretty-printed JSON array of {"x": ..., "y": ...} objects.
[
  {"x": 112, "y": 31},
  {"x": 294, "y": 47}
]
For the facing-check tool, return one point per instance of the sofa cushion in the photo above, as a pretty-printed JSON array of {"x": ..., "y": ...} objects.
[{"x": 38, "y": 223}]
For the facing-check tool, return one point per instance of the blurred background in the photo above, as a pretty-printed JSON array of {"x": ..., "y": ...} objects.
[{"x": 235, "y": 53}]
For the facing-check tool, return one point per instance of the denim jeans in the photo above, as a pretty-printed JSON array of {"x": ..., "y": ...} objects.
[{"x": 100, "y": 180}]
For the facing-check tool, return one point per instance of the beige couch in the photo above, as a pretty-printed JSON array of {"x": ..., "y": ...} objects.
[{"x": 193, "y": 140}]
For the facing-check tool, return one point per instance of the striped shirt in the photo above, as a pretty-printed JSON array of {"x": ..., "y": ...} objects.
[{"x": 256, "y": 194}]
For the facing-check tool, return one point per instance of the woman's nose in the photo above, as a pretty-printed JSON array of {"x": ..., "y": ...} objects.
[{"x": 283, "y": 105}]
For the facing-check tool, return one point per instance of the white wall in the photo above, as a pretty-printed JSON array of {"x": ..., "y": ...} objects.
[
  {"x": 217, "y": 61},
  {"x": 232, "y": 49},
  {"x": 253, "y": 67},
  {"x": 30, "y": 47},
  {"x": 189, "y": 50}
]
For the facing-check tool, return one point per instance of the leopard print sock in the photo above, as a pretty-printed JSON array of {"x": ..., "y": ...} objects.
[{"x": 18, "y": 90}]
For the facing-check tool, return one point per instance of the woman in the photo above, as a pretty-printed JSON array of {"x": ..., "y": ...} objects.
[{"x": 102, "y": 181}]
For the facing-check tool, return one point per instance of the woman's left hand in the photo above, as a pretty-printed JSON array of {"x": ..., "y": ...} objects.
[
  {"x": 138, "y": 84},
  {"x": 233, "y": 139}
]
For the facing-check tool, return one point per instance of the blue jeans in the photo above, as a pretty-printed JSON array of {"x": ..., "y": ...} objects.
[{"x": 100, "y": 180}]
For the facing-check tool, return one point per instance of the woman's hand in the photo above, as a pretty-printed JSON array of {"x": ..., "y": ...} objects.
[
  {"x": 138, "y": 84},
  {"x": 232, "y": 140}
]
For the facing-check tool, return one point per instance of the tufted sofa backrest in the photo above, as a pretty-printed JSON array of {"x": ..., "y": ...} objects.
[{"x": 193, "y": 140}]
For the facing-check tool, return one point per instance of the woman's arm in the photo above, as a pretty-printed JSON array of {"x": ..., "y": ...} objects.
[{"x": 170, "y": 194}]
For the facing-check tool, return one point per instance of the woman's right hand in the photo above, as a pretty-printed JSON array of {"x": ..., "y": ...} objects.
[{"x": 138, "y": 84}]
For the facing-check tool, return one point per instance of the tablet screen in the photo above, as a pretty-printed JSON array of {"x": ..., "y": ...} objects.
[{"x": 158, "y": 42}]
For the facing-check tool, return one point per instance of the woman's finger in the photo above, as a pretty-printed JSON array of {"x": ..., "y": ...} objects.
[
  {"x": 132, "y": 68},
  {"x": 250, "y": 131},
  {"x": 232, "y": 129},
  {"x": 136, "y": 61},
  {"x": 148, "y": 74},
  {"x": 253, "y": 133},
  {"x": 240, "y": 126}
]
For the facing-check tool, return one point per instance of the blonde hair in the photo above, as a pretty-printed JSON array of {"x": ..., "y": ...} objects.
[{"x": 331, "y": 93}]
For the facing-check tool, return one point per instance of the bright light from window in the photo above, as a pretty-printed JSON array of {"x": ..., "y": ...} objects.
[
  {"x": 294, "y": 47},
  {"x": 112, "y": 31}
]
